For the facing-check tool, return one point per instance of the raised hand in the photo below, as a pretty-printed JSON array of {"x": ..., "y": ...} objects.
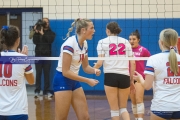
[{"x": 24, "y": 50}]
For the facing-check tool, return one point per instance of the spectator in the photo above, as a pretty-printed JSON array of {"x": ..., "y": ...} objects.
[{"x": 43, "y": 38}]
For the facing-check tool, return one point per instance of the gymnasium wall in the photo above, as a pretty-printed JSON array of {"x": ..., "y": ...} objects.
[{"x": 148, "y": 16}]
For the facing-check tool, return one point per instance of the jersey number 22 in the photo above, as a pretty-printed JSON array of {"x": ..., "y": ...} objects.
[{"x": 117, "y": 49}]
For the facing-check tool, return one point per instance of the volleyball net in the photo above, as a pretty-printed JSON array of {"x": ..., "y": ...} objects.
[{"x": 147, "y": 16}]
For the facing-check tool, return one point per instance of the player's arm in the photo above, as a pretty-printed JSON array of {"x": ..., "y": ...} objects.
[
  {"x": 149, "y": 75},
  {"x": 29, "y": 74},
  {"x": 99, "y": 62},
  {"x": 100, "y": 53},
  {"x": 66, "y": 63},
  {"x": 132, "y": 63},
  {"x": 147, "y": 83},
  {"x": 30, "y": 78},
  {"x": 132, "y": 69},
  {"x": 88, "y": 69}
]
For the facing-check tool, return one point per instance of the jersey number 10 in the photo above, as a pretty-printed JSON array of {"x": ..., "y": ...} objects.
[{"x": 7, "y": 70}]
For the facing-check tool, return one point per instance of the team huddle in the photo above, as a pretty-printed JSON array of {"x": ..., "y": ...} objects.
[{"x": 122, "y": 78}]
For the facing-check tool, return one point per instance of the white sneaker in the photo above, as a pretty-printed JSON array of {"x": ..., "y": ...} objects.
[
  {"x": 36, "y": 95},
  {"x": 48, "y": 96}
]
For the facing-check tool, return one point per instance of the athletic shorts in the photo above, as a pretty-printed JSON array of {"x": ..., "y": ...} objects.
[
  {"x": 61, "y": 83},
  {"x": 14, "y": 117},
  {"x": 167, "y": 114},
  {"x": 117, "y": 80}
]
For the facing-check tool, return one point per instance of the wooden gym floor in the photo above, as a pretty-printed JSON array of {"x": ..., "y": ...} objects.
[{"x": 43, "y": 109}]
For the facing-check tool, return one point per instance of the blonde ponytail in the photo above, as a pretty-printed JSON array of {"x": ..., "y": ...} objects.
[
  {"x": 170, "y": 39},
  {"x": 70, "y": 29},
  {"x": 173, "y": 61},
  {"x": 78, "y": 23}
]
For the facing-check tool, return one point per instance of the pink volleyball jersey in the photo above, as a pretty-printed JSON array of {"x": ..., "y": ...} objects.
[{"x": 140, "y": 51}]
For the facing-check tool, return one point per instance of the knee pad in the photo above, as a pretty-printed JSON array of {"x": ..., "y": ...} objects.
[
  {"x": 140, "y": 108},
  {"x": 139, "y": 118},
  {"x": 122, "y": 110},
  {"x": 134, "y": 108},
  {"x": 114, "y": 113}
]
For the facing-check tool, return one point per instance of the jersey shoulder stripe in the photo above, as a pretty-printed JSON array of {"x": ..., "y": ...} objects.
[
  {"x": 150, "y": 69},
  {"x": 69, "y": 48},
  {"x": 28, "y": 68}
]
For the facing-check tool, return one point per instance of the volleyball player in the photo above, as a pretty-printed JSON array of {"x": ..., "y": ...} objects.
[
  {"x": 117, "y": 79},
  {"x": 137, "y": 98},
  {"x": 67, "y": 88},
  {"x": 162, "y": 73},
  {"x": 13, "y": 95}
]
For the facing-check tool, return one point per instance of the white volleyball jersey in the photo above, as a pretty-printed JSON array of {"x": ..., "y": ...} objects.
[
  {"x": 72, "y": 47},
  {"x": 166, "y": 86},
  {"x": 13, "y": 95},
  {"x": 114, "y": 46}
]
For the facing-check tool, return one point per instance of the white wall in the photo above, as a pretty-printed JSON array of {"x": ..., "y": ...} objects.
[{"x": 71, "y": 9}]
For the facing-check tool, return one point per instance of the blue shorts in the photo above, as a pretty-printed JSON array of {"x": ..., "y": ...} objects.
[
  {"x": 14, "y": 117},
  {"x": 167, "y": 114},
  {"x": 61, "y": 83}
]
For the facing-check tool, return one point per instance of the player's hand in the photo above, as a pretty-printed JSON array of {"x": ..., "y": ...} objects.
[
  {"x": 137, "y": 77},
  {"x": 132, "y": 88},
  {"x": 97, "y": 72},
  {"x": 92, "y": 82},
  {"x": 24, "y": 50}
]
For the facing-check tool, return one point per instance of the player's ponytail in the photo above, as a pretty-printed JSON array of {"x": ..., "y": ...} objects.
[
  {"x": 170, "y": 38},
  {"x": 78, "y": 23},
  {"x": 173, "y": 61},
  {"x": 70, "y": 29}
]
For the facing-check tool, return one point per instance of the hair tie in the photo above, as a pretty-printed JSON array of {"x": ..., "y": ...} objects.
[
  {"x": 79, "y": 19},
  {"x": 172, "y": 47},
  {"x": 5, "y": 27}
]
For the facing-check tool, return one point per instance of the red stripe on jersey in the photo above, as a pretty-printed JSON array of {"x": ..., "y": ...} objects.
[
  {"x": 68, "y": 48},
  {"x": 149, "y": 69},
  {"x": 28, "y": 68}
]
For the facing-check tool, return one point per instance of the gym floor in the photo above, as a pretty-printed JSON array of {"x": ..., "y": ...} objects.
[{"x": 43, "y": 108}]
